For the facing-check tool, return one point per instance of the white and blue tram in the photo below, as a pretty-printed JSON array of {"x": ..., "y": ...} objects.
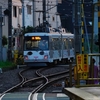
[{"x": 53, "y": 47}]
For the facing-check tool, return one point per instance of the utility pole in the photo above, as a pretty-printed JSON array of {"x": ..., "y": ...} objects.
[
  {"x": 34, "y": 19},
  {"x": 44, "y": 13},
  {"x": 57, "y": 16},
  {"x": 10, "y": 30},
  {"x": 23, "y": 18},
  {"x": 0, "y": 33},
  {"x": 82, "y": 25},
  {"x": 77, "y": 24}
]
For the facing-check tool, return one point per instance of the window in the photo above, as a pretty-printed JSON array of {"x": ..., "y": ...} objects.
[
  {"x": 28, "y": 9},
  {"x": 36, "y": 44},
  {"x": 53, "y": 18},
  {"x": 71, "y": 43},
  {"x": 20, "y": 11},
  {"x": 14, "y": 11},
  {"x": 65, "y": 43},
  {"x": 56, "y": 44}
]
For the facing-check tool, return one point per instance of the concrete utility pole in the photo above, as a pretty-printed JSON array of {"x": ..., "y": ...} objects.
[
  {"x": 77, "y": 24},
  {"x": 57, "y": 15},
  {"x": 34, "y": 16},
  {"x": 82, "y": 25},
  {"x": 44, "y": 13},
  {"x": 0, "y": 33},
  {"x": 10, "y": 30},
  {"x": 23, "y": 15}
]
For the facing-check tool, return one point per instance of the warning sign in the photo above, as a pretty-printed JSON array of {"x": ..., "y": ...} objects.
[
  {"x": 85, "y": 63},
  {"x": 83, "y": 75},
  {"x": 79, "y": 64}
]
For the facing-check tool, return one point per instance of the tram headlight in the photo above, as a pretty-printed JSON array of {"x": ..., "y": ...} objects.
[
  {"x": 26, "y": 57},
  {"x": 46, "y": 57}
]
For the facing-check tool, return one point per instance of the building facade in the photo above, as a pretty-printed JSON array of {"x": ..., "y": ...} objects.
[
  {"x": 4, "y": 5},
  {"x": 34, "y": 13}
]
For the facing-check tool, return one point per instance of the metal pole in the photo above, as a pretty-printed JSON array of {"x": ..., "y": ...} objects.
[
  {"x": 0, "y": 33},
  {"x": 70, "y": 73}
]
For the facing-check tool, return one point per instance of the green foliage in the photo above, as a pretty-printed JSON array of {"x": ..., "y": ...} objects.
[
  {"x": 4, "y": 40},
  {"x": 6, "y": 64},
  {"x": 28, "y": 29},
  {"x": 20, "y": 60}
]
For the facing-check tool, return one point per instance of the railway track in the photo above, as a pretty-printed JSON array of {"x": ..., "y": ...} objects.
[{"x": 44, "y": 80}]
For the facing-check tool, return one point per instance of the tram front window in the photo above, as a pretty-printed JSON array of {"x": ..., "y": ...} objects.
[{"x": 36, "y": 44}]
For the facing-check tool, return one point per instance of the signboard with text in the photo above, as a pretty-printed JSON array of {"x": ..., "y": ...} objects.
[
  {"x": 82, "y": 66},
  {"x": 79, "y": 63}
]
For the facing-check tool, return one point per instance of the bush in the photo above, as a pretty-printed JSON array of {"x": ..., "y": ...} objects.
[
  {"x": 7, "y": 64},
  {"x": 20, "y": 60}
]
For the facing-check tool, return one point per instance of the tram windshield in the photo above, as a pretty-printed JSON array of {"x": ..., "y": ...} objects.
[{"x": 36, "y": 43}]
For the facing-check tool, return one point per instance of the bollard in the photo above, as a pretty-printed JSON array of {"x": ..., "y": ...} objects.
[
  {"x": 63, "y": 84},
  {"x": 67, "y": 82}
]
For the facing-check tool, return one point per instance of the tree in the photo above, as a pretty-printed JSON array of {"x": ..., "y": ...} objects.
[
  {"x": 28, "y": 29},
  {"x": 4, "y": 41}
]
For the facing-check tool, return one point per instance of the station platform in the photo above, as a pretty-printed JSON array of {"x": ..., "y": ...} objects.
[{"x": 83, "y": 93}]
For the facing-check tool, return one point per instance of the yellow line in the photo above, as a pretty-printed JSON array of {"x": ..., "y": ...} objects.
[{"x": 82, "y": 40}]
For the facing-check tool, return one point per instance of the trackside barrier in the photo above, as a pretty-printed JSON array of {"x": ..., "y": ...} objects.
[{"x": 86, "y": 71}]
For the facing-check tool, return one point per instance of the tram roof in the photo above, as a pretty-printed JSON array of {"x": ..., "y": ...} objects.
[{"x": 48, "y": 34}]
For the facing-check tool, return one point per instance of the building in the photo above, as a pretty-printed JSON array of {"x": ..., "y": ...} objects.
[
  {"x": 4, "y": 5},
  {"x": 34, "y": 13}
]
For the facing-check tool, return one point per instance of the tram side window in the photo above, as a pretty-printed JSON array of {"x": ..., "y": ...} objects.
[
  {"x": 71, "y": 43},
  {"x": 56, "y": 44},
  {"x": 65, "y": 43}
]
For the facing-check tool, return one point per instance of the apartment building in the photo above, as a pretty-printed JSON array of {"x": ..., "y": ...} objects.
[
  {"x": 16, "y": 14},
  {"x": 4, "y": 5}
]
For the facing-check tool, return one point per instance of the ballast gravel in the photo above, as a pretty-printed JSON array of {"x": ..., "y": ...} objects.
[{"x": 10, "y": 78}]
